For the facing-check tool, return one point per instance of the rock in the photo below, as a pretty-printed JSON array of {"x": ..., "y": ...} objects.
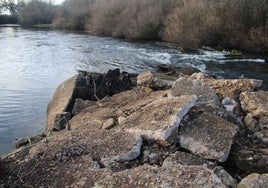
[
  {"x": 169, "y": 175},
  {"x": 225, "y": 177},
  {"x": 254, "y": 181},
  {"x": 230, "y": 105},
  {"x": 86, "y": 86},
  {"x": 147, "y": 79},
  {"x": 1, "y": 168},
  {"x": 185, "y": 86},
  {"x": 188, "y": 159},
  {"x": 208, "y": 136},
  {"x": 108, "y": 124},
  {"x": 251, "y": 122},
  {"x": 255, "y": 102},
  {"x": 80, "y": 104},
  {"x": 60, "y": 101},
  {"x": 233, "y": 88},
  {"x": 262, "y": 136},
  {"x": 121, "y": 119},
  {"x": 201, "y": 77},
  {"x": 21, "y": 142},
  {"x": 160, "y": 119},
  {"x": 61, "y": 120},
  {"x": 175, "y": 70}
]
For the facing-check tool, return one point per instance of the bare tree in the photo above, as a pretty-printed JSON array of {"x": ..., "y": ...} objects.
[{"x": 11, "y": 5}]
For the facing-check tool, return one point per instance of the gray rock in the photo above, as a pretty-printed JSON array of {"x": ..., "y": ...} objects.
[
  {"x": 251, "y": 122},
  {"x": 188, "y": 159},
  {"x": 208, "y": 136},
  {"x": 132, "y": 154},
  {"x": 108, "y": 124},
  {"x": 186, "y": 86},
  {"x": 147, "y": 79},
  {"x": 225, "y": 177},
  {"x": 229, "y": 104},
  {"x": 81, "y": 104},
  {"x": 21, "y": 142},
  {"x": 160, "y": 119},
  {"x": 254, "y": 181},
  {"x": 61, "y": 120},
  {"x": 168, "y": 175}
]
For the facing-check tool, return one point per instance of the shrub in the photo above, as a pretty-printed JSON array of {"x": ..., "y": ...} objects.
[
  {"x": 73, "y": 14},
  {"x": 134, "y": 19},
  {"x": 192, "y": 23},
  {"x": 36, "y": 12}
]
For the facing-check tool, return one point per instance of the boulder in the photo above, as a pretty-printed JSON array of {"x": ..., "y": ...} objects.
[
  {"x": 230, "y": 105},
  {"x": 1, "y": 168},
  {"x": 61, "y": 120},
  {"x": 184, "y": 158},
  {"x": 147, "y": 79},
  {"x": 108, "y": 124},
  {"x": 208, "y": 136},
  {"x": 255, "y": 102},
  {"x": 254, "y": 181},
  {"x": 21, "y": 142},
  {"x": 81, "y": 104},
  {"x": 160, "y": 119},
  {"x": 251, "y": 122},
  {"x": 169, "y": 175},
  {"x": 233, "y": 87},
  {"x": 176, "y": 70},
  {"x": 60, "y": 101},
  {"x": 225, "y": 177},
  {"x": 186, "y": 86}
]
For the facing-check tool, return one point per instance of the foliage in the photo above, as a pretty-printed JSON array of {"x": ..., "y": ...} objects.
[
  {"x": 36, "y": 12},
  {"x": 8, "y": 19},
  {"x": 13, "y": 6},
  {"x": 73, "y": 14}
]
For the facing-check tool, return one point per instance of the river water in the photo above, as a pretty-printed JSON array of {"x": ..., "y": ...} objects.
[{"x": 34, "y": 62}]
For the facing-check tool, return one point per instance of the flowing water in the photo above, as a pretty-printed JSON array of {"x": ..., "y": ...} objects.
[{"x": 34, "y": 62}]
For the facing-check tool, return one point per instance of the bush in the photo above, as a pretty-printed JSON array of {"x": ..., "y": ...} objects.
[
  {"x": 8, "y": 19},
  {"x": 36, "y": 12},
  {"x": 134, "y": 19},
  {"x": 192, "y": 23},
  {"x": 73, "y": 14}
]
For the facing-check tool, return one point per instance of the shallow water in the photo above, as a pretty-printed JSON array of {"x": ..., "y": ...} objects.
[{"x": 34, "y": 62}]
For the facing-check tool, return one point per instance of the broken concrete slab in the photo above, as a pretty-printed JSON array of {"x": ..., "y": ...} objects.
[
  {"x": 169, "y": 175},
  {"x": 160, "y": 119},
  {"x": 60, "y": 101},
  {"x": 254, "y": 180},
  {"x": 186, "y": 86},
  {"x": 233, "y": 87},
  {"x": 255, "y": 102},
  {"x": 208, "y": 136},
  {"x": 184, "y": 158}
]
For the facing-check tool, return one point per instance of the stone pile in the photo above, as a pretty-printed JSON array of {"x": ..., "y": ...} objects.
[{"x": 192, "y": 131}]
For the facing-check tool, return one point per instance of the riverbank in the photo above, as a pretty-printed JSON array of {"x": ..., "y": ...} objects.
[{"x": 164, "y": 129}]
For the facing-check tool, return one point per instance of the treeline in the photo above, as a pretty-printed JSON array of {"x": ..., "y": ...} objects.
[{"x": 233, "y": 24}]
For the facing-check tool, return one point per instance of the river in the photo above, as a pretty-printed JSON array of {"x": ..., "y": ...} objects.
[{"x": 34, "y": 62}]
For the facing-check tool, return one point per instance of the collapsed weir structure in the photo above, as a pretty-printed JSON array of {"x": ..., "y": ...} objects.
[{"x": 152, "y": 130}]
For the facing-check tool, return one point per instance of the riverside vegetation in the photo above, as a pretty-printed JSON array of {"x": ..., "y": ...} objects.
[
  {"x": 166, "y": 129},
  {"x": 237, "y": 24}
]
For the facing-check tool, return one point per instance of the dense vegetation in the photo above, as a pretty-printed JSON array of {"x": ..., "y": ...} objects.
[{"x": 239, "y": 24}]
